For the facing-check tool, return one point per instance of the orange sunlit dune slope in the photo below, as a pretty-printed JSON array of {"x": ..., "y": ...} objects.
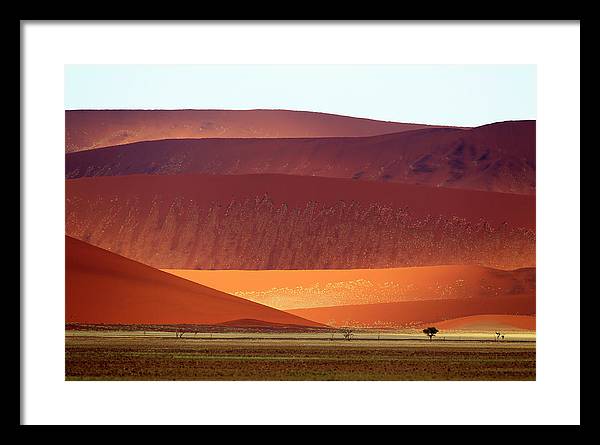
[{"x": 292, "y": 289}]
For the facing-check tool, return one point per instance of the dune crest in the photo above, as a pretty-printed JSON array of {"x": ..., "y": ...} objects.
[{"x": 89, "y": 129}]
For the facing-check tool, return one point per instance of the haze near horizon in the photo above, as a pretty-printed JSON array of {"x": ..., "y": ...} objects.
[{"x": 459, "y": 95}]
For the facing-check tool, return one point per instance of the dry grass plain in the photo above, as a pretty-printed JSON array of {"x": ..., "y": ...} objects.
[{"x": 123, "y": 355}]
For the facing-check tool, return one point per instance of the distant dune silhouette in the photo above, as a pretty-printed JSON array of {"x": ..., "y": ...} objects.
[
  {"x": 499, "y": 157},
  {"x": 88, "y": 129}
]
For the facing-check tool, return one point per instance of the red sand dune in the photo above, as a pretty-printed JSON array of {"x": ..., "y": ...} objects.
[
  {"x": 293, "y": 289},
  {"x": 497, "y": 157},
  {"x": 411, "y": 313},
  {"x": 257, "y": 324},
  {"x": 87, "y": 129},
  {"x": 489, "y": 322},
  {"x": 105, "y": 288},
  {"x": 295, "y": 222}
]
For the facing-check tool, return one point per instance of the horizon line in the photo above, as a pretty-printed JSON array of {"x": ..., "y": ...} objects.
[{"x": 299, "y": 111}]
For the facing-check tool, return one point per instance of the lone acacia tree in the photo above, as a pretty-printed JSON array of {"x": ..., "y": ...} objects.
[{"x": 430, "y": 331}]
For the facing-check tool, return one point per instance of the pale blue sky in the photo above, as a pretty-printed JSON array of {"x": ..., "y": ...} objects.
[{"x": 467, "y": 95}]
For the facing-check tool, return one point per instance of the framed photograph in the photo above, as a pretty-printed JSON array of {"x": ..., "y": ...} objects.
[{"x": 337, "y": 220}]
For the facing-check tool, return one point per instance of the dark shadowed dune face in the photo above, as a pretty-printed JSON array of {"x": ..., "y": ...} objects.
[
  {"x": 88, "y": 129},
  {"x": 498, "y": 157},
  {"x": 293, "y": 222},
  {"x": 105, "y": 288}
]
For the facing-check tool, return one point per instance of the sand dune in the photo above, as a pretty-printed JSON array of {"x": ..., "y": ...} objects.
[
  {"x": 87, "y": 129},
  {"x": 415, "y": 313},
  {"x": 292, "y": 289},
  {"x": 298, "y": 222},
  {"x": 490, "y": 322},
  {"x": 105, "y": 288},
  {"x": 498, "y": 157}
]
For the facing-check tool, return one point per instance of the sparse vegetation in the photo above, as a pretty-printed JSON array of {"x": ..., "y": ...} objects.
[
  {"x": 102, "y": 357},
  {"x": 430, "y": 331},
  {"x": 347, "y": 333}
]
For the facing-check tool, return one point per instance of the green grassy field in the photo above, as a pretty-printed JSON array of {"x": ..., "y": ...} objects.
[{"x": 130, "y": 355}]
